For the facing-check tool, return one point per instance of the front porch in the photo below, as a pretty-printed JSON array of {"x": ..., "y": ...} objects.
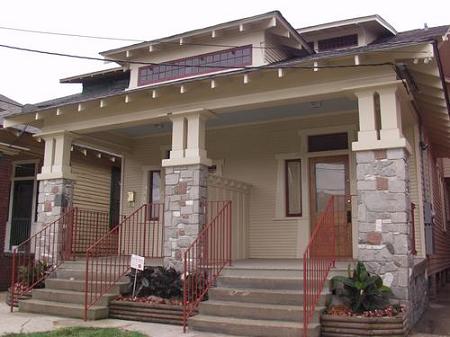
[{"x": 279, "y": 159}]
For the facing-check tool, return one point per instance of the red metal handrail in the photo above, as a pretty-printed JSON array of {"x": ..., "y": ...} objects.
[
  {"x": 88, "y": 227},
  {"x": 318, "y": 259},
  {"x": 413, "y": 229},
  {"x": 206, "y": 257},
  {"x": 108, "y": 259},
  {"x": 35, "y": 258}
]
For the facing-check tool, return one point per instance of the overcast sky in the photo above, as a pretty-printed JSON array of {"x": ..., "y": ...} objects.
[{"x": 30, "y": 78}]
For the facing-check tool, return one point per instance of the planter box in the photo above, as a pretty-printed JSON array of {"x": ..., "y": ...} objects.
[
  {"x": 17, "y": 298},
  {"x": 342, "y": 326},
  {"x": 146, "y": 312}
]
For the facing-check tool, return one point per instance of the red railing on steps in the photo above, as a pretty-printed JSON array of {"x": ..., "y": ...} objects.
[
  {"x": 38, "y": 256},
  {"x": 413, "y": 230},
  {"x": 61, "y": 240},
  {"x": 205, "y": 258},
  {"x": 108, "y": 259},
  {"x": 318, "y": 259}
]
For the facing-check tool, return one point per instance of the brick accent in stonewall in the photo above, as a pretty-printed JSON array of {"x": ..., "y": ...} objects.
[{"x": 185, "y": 210}]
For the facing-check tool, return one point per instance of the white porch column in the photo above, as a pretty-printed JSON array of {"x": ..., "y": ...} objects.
[
  {"x": 384, "y": 231},
  {"x": 189, "y": 139},
  {"x": 178, "y": 137},
  {"x": 57, "y": 157},
  {"x": 390, "y": 130},
  {"x": 186, "y": 174}
]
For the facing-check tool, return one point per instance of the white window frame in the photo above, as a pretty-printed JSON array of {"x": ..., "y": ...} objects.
[
  {"x": 13, "y": 179},
  {"x": 145, "y": 180}
]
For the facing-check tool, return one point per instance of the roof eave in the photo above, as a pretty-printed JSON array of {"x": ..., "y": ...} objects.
[
  {"x": 217, "y": 75},
  {"x": 292, "y": 30},
  {"x": 359, "y": 20}
]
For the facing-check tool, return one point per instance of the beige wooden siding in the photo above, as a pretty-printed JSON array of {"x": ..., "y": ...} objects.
[
  {"x": 92, "y": 188},
  {"x": 414, "y": 183},
  {"x": 146, "y": 154},
  {"x": 446, "y": 167}
]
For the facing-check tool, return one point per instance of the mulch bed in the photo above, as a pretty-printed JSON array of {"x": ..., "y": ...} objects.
[
  {"x": 342, "y": 322},
  {"x": 147, "y": 309}
]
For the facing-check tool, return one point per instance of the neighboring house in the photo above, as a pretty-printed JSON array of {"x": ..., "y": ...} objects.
[
  {"x": 21, "y": 157},
  {"x": 277, "y": 120}
]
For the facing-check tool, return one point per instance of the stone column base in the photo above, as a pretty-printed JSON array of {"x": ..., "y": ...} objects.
[{"x": 185, "y": 210}]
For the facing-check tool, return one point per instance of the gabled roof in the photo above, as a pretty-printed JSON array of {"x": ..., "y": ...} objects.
[
  {"x": 8, "y": 107},
  {"x": 354, "y": 21},
  {"x": 92, "y": 75},
  {"x": 202, "y": 31}
]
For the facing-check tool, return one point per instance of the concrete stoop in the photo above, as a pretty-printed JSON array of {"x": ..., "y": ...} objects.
[
  {"x": 63, "y": 295},
  {"x": 256, "y": 300}
]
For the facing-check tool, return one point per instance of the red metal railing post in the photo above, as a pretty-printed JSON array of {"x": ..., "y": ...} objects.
[
  {"x": 230, "y": 232},
  {"x": 413, "y": 229},
  {"x": 86, "y": 289},
  {"x": 205, "y": 258},
  {"x": 147, "y": 208},
  {"x": 185, "y": 280},
  {"x": 13, "y": 279},
  {"x": 319, "y": 257}
]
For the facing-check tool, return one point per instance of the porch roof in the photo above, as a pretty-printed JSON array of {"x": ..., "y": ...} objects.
[{"x": 424, "y": 79}]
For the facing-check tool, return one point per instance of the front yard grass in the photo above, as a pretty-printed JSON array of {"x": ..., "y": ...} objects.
[{"x": 80, "y": 332}]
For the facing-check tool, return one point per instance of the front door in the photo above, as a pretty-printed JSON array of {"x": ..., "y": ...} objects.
[{"x": 329, "y": 177}]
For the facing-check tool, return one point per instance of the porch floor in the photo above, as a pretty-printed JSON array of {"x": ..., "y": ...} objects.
[{"x": 282, "y": 264}]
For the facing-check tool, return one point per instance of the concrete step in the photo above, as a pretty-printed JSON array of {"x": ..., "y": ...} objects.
[
  {"x": 78, "y": 285},
  {"x": 67, "y": 296},
  {"x": 255, "y": 282},
  {"x": 263, "y": 296},
  {"x": 78, "y": 274},
  {"x": 251, "y": 327},
  {"x": 256, "y": 311},
  {"x": 280, "y": 273},
  {"x": 62, "y": 309}
]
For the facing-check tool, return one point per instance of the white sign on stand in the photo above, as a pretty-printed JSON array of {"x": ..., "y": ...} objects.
[{"x": 137, "y": 262}]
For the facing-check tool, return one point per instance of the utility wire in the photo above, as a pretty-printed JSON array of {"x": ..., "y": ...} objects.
[
  {"x": 109, "y": 38},
  {"x": 178, "y": 65},
  {"x": 23, "y": 30},
  {"x": 96, "y": 37}
]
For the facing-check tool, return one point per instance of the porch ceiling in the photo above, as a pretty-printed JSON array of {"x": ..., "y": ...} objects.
[{"x": 255, "y": 115}]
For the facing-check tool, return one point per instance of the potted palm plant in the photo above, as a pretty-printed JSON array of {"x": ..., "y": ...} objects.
[{"x": 365, "y": 309}]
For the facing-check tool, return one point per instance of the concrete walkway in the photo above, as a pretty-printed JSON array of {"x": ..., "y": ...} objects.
[
  {"x": 436, "y": 320},
  {"x": 24, "y": 322}
]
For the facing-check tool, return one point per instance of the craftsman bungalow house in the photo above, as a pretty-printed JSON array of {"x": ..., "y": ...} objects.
[{"x": 277, "y": 120}]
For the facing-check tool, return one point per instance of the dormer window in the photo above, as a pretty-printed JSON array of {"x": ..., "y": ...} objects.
[
  {"x": 196, "y": 65},
  {"x": 338, "y": 42}
]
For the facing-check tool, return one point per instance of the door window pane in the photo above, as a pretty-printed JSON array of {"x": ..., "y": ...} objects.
[
  {"x": 330, "y": 181},
  {"x": 293, "y": 188}
]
